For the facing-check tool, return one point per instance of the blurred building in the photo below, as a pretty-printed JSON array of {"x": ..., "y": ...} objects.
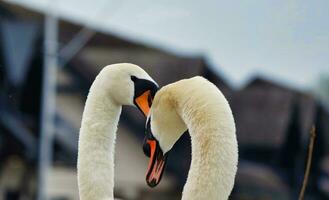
[
  {"x": 273, "y": 122},
  {"x": 273, "y": 128}
]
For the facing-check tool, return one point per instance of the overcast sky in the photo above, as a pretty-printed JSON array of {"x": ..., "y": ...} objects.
[{"x": 284, "y": 40}]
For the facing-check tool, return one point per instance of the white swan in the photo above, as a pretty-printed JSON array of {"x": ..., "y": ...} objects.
[
  {"x": 115, "y": 85},
  {"x": 197, "y": 105}
]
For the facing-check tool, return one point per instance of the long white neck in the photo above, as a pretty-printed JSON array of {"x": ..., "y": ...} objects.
[
  {"x": 214, "y": 147},
  {"x": 96, "y": 146}
]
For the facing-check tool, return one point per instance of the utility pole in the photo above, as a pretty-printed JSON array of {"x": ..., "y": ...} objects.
[{"x": 48, "y": 104}]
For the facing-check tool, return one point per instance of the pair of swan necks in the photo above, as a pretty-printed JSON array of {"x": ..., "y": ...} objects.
[{"x": 197, "y": 105}]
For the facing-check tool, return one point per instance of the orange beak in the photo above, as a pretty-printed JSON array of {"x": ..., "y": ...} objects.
[
  {"x": 157, "y": 160},
  {"x": 156, "y": 164},
  {"x": 144, "y": 102}
]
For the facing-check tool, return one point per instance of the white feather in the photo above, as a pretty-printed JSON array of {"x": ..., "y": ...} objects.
[
  {"x": 197, "y": 105},
  {"x": 111, "y": 89}
]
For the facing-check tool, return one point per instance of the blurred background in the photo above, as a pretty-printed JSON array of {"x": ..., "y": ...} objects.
[{"x": 269, "y": 58}]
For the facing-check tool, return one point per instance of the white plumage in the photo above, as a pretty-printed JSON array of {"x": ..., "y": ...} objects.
[
  {"x": 111, "y": 89},
  {"x": 197, "y": 105}
]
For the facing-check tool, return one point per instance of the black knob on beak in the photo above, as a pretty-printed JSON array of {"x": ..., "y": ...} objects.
[
  {"x": 146, "y": 148},
  {"x": 148, "y": 136}
]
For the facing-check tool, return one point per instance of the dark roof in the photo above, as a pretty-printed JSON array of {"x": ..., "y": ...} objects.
[
  {"x": 11, "y": 10},
  {"x": 163, "y": 67},
  {"x": 68, "y": 30},
  {"x": 262, "y": 111}
]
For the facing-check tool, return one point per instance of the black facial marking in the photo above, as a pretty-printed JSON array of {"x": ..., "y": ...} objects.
[
  {"x": 149, "y": 100},
  {"x": 142, "y": 85}
]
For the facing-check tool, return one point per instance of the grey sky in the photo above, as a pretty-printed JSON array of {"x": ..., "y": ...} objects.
[{"x": 285, "y": 40}]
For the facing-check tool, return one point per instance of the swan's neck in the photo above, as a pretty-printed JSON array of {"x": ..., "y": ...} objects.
[
  {"x": 96, "y": 146},
  {"x": 214, "y": 151}
]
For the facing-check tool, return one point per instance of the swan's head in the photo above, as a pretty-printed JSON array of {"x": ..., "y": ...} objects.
[
  {"x": 128, "y": 84},
  {"x": 163, "y": 128}
]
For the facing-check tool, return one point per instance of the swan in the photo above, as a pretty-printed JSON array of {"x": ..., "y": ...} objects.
[
  {"x": 197, "y": 105},
  {"x": 116, "y": 85}
]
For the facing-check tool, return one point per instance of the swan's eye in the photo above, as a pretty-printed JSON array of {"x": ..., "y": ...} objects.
[{"x": 133, "y": 78}]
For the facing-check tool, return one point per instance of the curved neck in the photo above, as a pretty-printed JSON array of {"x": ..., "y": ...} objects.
[
  {"x": 96, "y": 146},
  {"x": 214, "y": 149}
]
